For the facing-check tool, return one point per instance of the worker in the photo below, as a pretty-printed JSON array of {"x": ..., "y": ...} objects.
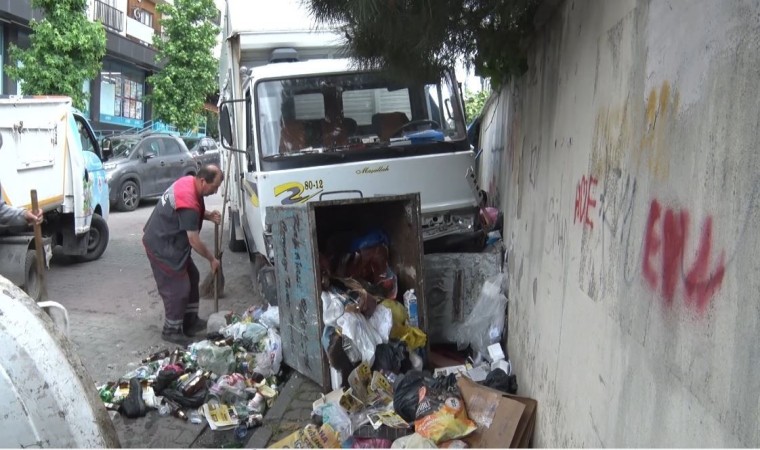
[
  {"x": 169, "y": 236},
  {"x": 10, "y": 216}
]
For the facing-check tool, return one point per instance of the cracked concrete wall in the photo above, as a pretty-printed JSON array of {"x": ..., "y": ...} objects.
[{"x": 626, "y": 161}]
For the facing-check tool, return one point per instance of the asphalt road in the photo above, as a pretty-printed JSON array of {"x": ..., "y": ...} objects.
[{"x": 114, "y": 309}]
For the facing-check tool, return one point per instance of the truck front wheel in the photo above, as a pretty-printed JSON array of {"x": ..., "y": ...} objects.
[
  {"x": 97, "y": 241},
  {"x": 32, "y": 283}
]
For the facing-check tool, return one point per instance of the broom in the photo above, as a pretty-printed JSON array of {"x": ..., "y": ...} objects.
[{"x": 213, "y": 284}]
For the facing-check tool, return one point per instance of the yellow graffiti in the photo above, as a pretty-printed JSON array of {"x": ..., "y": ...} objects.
[
  {"x": 660, "y": 110},
  {"x": 295, "y": 190}
]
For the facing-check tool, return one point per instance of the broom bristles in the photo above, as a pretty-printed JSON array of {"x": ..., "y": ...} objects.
[{"x": 207, "y": 286}]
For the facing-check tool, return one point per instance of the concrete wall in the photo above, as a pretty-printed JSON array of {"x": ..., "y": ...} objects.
[{"x": 627, "y": 163}]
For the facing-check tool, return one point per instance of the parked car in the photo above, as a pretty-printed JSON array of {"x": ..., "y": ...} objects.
[
  {"x": 203, "y": 149},
  {"x": 144, "y": 165}
]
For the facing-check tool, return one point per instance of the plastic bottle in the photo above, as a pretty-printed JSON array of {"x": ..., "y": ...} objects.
[
  {"x": 164, "y": 409},
  {"x": 410, "y": 301}
]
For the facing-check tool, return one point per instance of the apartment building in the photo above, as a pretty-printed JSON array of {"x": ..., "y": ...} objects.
[{"x": 117, "y": 95}]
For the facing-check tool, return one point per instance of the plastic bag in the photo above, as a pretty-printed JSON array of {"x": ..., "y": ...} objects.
[
  {"x": 217, "y": 321},
  {"x": 245, "y": 330},
  {"x": 389, "y": 357},
  {"x": 371, "y": 443},
  {"x": 219, "y": 360},
  {"x": 358, "y": 329},
  {"x": 338, "y": 419},
  {"x": 485, "y": 323},
  {"x": 271, "y": 317},
  {"x": 406, "y": 395},
  {"x": 333, "y": 307},
  {"x": 382, "y": 322},
  {"x": 414, "y": 440},
  {"x": 268, "y": 362},
  {"x": 230, "y": 388},
  {"x": 441, "y": 415},
  {"x": 499, "y": 380}
]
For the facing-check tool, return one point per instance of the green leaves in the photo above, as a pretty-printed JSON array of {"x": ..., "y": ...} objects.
[
  {"x": 66, "y": 50},
  {"x": 474, "y": 103},
  {"x": 190, "y": 73},
  {"x": 414, "y": 38}
]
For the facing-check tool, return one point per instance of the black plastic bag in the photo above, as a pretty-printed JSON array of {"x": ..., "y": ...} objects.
[
  {"x": 164, "y": 379},
  {"x": 193, "y": 401},
  {"x": 390, "y": 357},
  {"x": 406, "y": 394},
  {"x": 499, "y": 380}
]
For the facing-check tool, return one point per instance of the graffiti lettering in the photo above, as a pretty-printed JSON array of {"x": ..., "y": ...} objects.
[
  {"x": 584, "y": 201},
  {"x": 669, "y": 241}
]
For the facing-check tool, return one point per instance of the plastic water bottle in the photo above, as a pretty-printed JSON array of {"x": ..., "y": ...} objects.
[{"x": 410, "y": 301}]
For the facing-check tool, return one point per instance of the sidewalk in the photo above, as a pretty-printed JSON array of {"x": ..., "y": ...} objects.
[{"x": 290, "y": 412}]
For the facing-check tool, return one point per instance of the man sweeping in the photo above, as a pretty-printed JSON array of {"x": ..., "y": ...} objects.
[{"x": 172, "y": 230}]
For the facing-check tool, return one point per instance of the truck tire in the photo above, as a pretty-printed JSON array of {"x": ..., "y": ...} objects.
[
  {"x": 97, "y": 239},
  {"x": 236, "y": 245},
  {"x": 129, "y": 196},
  {"x": 32, "y": 282}
]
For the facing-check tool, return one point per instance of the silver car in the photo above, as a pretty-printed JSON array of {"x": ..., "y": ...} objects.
[
  {"x": 145, "y": 165},
  {"x": 204, "y": 150}
]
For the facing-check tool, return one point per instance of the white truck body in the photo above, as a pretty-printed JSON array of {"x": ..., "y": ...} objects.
[
  {"x": 47, "y": 146},
  {"x": 48, "y": 398},
  {"x": 324, "y": 97}
]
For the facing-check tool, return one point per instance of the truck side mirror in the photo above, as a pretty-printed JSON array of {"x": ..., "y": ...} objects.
[{"x": 225, "y": 126}]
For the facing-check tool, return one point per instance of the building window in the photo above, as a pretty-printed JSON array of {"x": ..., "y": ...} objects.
[
  {"x": 144, "y": 17},
  {"x": 121, "y": 95}
]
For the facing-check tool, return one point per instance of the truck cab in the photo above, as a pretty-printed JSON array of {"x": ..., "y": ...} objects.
[{"x": 307, "y": 125}]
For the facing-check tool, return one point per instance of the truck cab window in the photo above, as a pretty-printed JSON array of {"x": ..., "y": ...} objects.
[{"x": 88, "y": 141}]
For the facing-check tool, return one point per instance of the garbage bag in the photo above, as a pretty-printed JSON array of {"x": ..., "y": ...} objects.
[
  {"x": 371, "y": 238},
  {"x": 164, "y": 379},
  {"x": 217, "y": 321},
  {"x": 441, "y": 414},
  {"x": 251, "y": 331},
  {"x": 382, "y": 321},
  {"x": 333, "y": 306},
  {"x": 390, "y": 357},
  {"x": 414, "y": 440},
  {"x": 499, "y": 380},
  {"x": 371, "y": 443},
  {"x": 485, "y": 323},
  {"x": 334, "y": 415},
  {"x": 357, "y": 328},
  {"x": 268, "y": 362},
  {"x": 406, "y": 394},
  {"x": 193, "y": 401},
  {"x": 271, "y": 317},
  {"x": 219, "y": 360}
]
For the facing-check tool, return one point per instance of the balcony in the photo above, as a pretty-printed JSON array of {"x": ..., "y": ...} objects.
[
  {"x": 109, "y": 16},
  {"x": 140, "y": 31}
]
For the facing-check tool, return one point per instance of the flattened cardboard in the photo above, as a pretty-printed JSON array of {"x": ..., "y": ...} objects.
[
  {"x": 498, "y": 416},
  {"x": 524, "y": 432}
]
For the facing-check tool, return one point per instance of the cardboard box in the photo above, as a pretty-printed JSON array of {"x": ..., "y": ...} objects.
[{"x": 501, "y": 418}]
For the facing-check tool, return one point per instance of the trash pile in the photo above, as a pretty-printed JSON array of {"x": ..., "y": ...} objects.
[
  {"x": 383, "y": 397},
  {"x": 228, "y": 379}
]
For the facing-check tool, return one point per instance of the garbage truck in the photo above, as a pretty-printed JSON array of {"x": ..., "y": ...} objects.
[
  {"x": 302, "y": 123},
  {"x": 48, "y": 146},
  {"x": 48, "y": 398}
]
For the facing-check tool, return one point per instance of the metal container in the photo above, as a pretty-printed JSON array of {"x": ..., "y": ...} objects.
[{"x": 300, "y": 232}]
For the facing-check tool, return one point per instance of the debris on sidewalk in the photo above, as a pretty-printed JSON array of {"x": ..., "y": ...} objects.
[
  {"x": 229, "y": 379},
  {"x": 390, "y": 388}
]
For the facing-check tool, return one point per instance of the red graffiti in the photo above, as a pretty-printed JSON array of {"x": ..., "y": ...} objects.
[
  {"x": 584, "y": 201},
  {"x": 670, "y": 240}
]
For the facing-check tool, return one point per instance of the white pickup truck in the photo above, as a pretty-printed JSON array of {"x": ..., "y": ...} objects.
[{"x": 48, "y": 146}]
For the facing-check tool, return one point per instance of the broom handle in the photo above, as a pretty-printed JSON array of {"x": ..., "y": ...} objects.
[
  {"x": 39, "y": 248},
  {"x": 216, "y": 275}
]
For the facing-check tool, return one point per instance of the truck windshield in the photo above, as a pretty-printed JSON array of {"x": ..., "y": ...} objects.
[{"x": 355, "y": 111}]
